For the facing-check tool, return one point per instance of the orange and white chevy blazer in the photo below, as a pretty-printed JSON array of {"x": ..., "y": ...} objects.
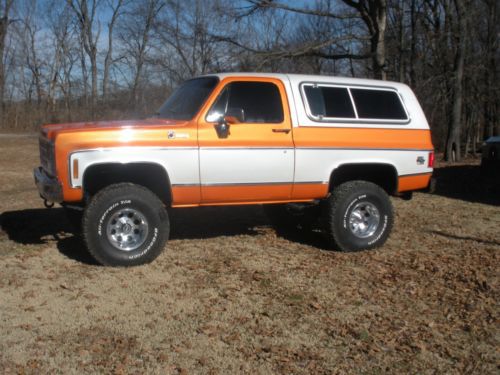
[{"x": 299, "y": 144}]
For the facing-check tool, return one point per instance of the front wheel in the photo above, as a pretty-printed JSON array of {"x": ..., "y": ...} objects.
[
  {"x": 358, "y": 215},
  {"x": 125, "y": 225}
]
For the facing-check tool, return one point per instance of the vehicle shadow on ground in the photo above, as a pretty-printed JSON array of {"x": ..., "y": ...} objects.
[
  {"x": 43, "y": 226},
  {"x": 469, "y": 183},
  {"x": 208, "y": 222}
]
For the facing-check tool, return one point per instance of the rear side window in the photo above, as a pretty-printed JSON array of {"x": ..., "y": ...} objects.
[
  {"x": 378, "y": 104},
  {"x": 260, "y": 101},
  {"x": 354, "y": 103},
  {"x": 329, "y": 101}
]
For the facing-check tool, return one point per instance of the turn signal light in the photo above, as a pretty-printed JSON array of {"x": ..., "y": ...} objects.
[{"x": 75, "y": 169}]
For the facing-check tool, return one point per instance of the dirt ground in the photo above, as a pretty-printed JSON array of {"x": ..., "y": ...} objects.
[{"x": 230, "y": 295}]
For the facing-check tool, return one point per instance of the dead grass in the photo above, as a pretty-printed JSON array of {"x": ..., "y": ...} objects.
[{"x": 229, "y": 295}]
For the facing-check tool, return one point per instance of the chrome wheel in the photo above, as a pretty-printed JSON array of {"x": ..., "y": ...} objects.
[
  {"x": 127, "y": 229},
  {"x": 364, "y": 220}
]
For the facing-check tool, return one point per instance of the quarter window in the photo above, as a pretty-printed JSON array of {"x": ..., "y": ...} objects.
[
  {"x": 260, "y": 101},
  {"x": 349, "y": 103},
  {"x": 329, "y": 101},
  {"x": 378, "y": 104}
]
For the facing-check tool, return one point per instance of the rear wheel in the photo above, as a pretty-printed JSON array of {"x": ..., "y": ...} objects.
[
  {"x": 125, "y": 225},
  {"x": 358, "y": 215}
]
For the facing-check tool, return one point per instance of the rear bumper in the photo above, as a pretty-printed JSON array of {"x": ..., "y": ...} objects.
[{"x": 48, "y": 187}]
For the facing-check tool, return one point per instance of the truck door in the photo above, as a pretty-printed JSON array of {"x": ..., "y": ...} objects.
[{"x": 249, "y": 158}]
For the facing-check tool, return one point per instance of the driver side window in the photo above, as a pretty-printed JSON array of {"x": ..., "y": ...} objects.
[{"x": 260, "y": 102}]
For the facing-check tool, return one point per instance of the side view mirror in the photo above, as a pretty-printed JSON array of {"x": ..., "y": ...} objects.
[{"x": 232, "y": 116}]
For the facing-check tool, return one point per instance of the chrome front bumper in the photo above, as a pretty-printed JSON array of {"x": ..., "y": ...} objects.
[{"x": 49, "y": 187}]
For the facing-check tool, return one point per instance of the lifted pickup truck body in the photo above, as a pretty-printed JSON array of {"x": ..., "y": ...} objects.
[{"x": 247, "y": 139}]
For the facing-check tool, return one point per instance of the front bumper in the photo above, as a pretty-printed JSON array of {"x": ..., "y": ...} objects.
[{"x": 48, "y": 187}]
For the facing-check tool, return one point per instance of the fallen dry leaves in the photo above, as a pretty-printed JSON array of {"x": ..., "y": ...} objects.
[{"x": 230, "y": 295}]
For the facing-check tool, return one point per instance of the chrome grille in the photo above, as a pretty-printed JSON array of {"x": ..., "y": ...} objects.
[{"x": 47, "y": 158}]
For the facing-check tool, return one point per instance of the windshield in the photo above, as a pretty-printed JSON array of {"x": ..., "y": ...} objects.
[{"x": 187, "y": 100}]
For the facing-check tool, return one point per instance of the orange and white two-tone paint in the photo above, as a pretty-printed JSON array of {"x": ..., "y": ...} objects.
[{"x": 291, "y": 161}]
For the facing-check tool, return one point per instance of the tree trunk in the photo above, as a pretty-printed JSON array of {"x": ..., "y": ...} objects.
[
  {"x": 378, "y": 40},
  {"x": 86, "y": 19},
  {"x": 413, "y": 44},
  {"x": 85, "y": 79},
  {"x": 452, "y": 152},
  {"x": 4, "y": 25},
  {"x": 491, "y": 123},
  {"x": 93, "y": 68},
  {"x": 154, "y": 6},
  {"x": 109, "y": 54},
  {"x": 374, "y": 15},
  {"x": 402, "y": 44}
]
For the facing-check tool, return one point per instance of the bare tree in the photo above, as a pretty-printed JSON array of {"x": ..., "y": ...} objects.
[
  {"x": 373, "y": 14},
  {"x": 491, "y": 42},
  {"x": 115, "y": 6},
  {"x": 27, "y": 31},
  {"x": 86, "y": 17},
  {"x": 5, "y": 7},
  {"x": 65, "y": 54},
  {"x": 135, "y": 36},
  {"x": 184, "y": 33},
  {"x": 447, "y": 50},
  {"x": 452, "y": 151}
]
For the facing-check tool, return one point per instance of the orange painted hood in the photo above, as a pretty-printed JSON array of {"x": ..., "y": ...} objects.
[{"x": 51, "y": 130}]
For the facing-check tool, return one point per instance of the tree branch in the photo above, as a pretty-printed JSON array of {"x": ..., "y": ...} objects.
[
  {"x": 302, "y": 51},
  {"x": 262, "y": 4}
]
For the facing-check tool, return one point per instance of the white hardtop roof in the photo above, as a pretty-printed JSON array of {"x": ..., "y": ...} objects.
[{"x": 298, "y": 78}]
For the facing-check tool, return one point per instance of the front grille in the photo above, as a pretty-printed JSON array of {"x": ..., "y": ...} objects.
[{"x": 47, "y": 155}]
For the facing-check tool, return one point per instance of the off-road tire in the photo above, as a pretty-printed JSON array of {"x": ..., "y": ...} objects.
[
  {"x": 339, "y": 208},
  {"x": 110, "y": 202}
]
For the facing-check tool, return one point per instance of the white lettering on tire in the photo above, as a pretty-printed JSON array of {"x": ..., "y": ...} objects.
[
  {"x": 153, "y": 240},
  {"x": 101, "y": 220},
  {"x": 114, "y": 205},
  {"x": 381, "y": 232}
]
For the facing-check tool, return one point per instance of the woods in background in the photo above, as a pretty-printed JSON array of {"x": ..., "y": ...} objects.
[{"x": 81, "y": 60}]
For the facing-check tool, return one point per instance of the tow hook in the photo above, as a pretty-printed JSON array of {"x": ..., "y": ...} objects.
[{"x": 48, "y": 204}]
